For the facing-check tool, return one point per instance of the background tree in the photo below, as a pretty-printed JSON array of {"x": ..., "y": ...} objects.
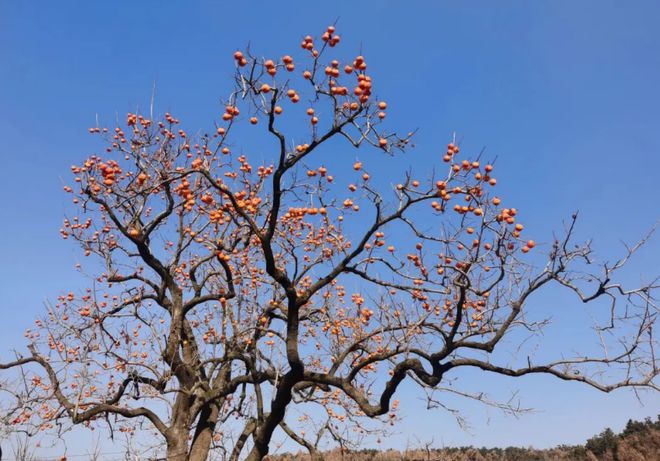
[{"x": 221, "y": 304}]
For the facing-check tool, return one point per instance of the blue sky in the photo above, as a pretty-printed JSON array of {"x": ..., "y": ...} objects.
[{"x": 564, "y": 93}]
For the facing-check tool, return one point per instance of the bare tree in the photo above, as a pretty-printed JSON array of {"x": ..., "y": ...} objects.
[
  {"x": 219, "y": 312},
  {"x": 21, "y": 450}
]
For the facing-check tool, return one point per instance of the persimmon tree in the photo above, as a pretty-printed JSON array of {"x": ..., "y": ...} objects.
[{"x": 231, "y": 293}]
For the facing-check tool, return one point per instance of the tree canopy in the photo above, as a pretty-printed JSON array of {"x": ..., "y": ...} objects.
[{"x": 221, "y": 301}]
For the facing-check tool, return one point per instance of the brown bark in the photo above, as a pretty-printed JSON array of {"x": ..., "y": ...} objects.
[
  {"x": 177, "y": 446},
  {"x": 201, "y": 443}
]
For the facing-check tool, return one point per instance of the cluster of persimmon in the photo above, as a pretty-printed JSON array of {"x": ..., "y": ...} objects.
[
  {"x": 183, "y": 190},
  {"x": 68, "y": 226},
  {"x": 230, "y": 112},
  {"x": 329, "y": 37},
  {"x": 362, "y": 90},
  {"x": 299, "y": 213},
  {"x": 294, "y": 97},
  {"x": 313, "y": 118},
  {"x": 452, "y": 149},
  {"x": 300, "y": 148},
  {"x": 248, "y": 202},
  {"x": 131, "y": 119},
  {"x": 109, "y": 170},
  {"x": 240, "y": 59}
]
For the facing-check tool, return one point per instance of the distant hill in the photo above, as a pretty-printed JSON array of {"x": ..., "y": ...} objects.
[{"x": 639, "y": 441}]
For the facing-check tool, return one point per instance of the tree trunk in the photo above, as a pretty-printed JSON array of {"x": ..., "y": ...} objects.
[
  {"x": 177, "y": 435},
  {"x": 177, "y": 446},
  {"x": 177, "y": 452},
  {"x": 201, "y": 443},
  {"x": 257, "y": 454}
]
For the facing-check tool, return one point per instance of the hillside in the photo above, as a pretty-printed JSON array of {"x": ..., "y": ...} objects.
[{"x": 639, "y": 441}]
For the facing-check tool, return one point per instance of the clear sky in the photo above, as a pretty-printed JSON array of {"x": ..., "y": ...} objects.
[{"x": 566, "y": 94}]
